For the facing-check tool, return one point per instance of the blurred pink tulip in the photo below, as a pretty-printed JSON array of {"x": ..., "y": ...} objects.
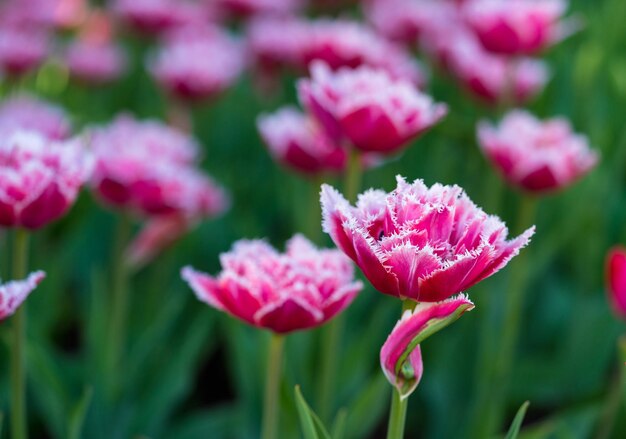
[
  {"x": 536, "y": 156},
  {"x": 616, "y": 280},
  {"x": 22, "y": 49},
  {"x": 155, "y": 17},
  {"x": 517, "y": 27},
  {"x": 298, "y": 142},
  {"x": 147, "y": 168},
  {"x": 25, "y": 112},
  {"x": 14, "y": 293},
  {"x": 299, "y": 289},
  {"x": 276, "y": 42},
  {"x": 247, "y": 8},
  {"x": 420, "y": 243},
  {"x": 494, "y": 79},
  {"x": 400, "y": 356},
  {"x": 343, "y": 43},
  {"x": 39, "y": 178},
  {"x": 368, "y": 108},
  {"x": 95, "y": 63},
  {"x": 409, "y": 20},
  {"x": 197, "y": 64}
]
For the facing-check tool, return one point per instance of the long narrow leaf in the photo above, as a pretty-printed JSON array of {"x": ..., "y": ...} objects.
[
  {"x": 517, "y": 422},
  {"x": 312, "y": 426}
]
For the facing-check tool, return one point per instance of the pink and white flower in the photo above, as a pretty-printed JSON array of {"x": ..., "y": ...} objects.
[
  {"x": 517, "y": 27},
  {"x": 22, "y": 49},
  {"x": 197, "y": 63},
  {"x": 492, "y": 78},
  {"x": 343, "y": 43},
  {"x": 147, "y": 168},
  {"x": 247, "y": 8},
  {"x": 420, "y": 243},
  {"x": 284, "y": 292},
  {"x": 298, "y": 142},
  {"x": 157, "y": 16},
  {"x": 95, "y": 63},
  {"x": 25, "y": 112},
  {"x": 400, "y": 356},
  {"x": 14, "y": 293},
  {"x": 158, "y": 234},
  {"x": 276, "y": 42},
  {"x": 536, "y": 156},
  {"x": 616, "y": 280},
  {"x": 409, "y": 20},
  {"x": 368, "y": 108},
  {"x": 39, "y": 179}
]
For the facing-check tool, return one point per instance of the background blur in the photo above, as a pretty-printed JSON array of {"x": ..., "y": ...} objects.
[{"x": 195, "y": 373}]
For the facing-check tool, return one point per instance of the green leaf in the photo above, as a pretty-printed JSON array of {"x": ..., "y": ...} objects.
[
  {"x": 339, "y": 426},
  {"x": 517, "y": 422},
  {"x": 77, "y": 414},
  {"x": 312, "y": 426}
]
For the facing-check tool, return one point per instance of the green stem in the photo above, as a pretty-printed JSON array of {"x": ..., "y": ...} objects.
[
  {"x": 19, "y": 428},
  {"x": 495, "y": 375},
  {"x": 397, "y": 416},
  {"x": 119, "y": 304},
  {"x": 615, "y": 394},
  {"x": 353, "y": 175},
  {"x": 272, "y": 386}
]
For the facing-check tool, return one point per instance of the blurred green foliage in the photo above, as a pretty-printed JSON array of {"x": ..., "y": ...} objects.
[{"x": 191, "y": 372}]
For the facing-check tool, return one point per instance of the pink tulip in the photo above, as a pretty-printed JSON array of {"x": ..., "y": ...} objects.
[
  {"x": 616, "y": 280},
  {"x": 147, "y": 168},
  {"x": 420, "y": 243},
  {"x": 276, "y": 42},
  {"x": 39, "y": 178},
  {"x": 400, "y": 356},
  {"x": 298, "y": 142},
  {"x": 492, "y": 78},
  {"x": 197, "y": 64},
  {"x": 299, "y": 289},
  {"x": 24, "y": 112},
  {"x": 368, "y": 108},
  {"x": 536, "y": 156},
  {"x": 14, "y": 293},
  {"x": 95, "y": 63},
  {"x": 343, "y": 43},
  {"x": 247, "y": 8},
  {"x": 516, "y": 27},
  {"x": 22, "y": 49},
  {"x": 157, "y": 16},
  {"x": 409, "y": 20}
]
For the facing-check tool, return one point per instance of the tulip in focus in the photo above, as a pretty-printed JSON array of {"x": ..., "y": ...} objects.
[
  {"x": 616, "y": 280},
  {"x": 24, "y": 112},
  {"x": 400, "y": 356},
  {"x": 419, "y": 243},
  {"x": 197, "y": 64},
  {"x": 39, "y": 179},
  {"x": 367, "y": 108},
  {"x": 299, "y": 289},
  {"x": 517, "y": 27},
  {"x": 14, "y": 293},
  {"x": 536, "y": 156}
]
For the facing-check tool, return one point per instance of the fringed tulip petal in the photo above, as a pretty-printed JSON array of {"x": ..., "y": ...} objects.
[{"x": 13, "y": 293}]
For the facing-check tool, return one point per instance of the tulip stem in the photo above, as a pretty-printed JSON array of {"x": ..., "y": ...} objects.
[
  {"x": 353, "y": 175},
  {"x": 397, "y": 416},
  {"x": 119, "y": 303},
  {"x": 616, "y": 394},
  {"x": 19, "y": 427},
  {"x": 272, "y": 386},
  {"x": 492, "y": 395}
]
